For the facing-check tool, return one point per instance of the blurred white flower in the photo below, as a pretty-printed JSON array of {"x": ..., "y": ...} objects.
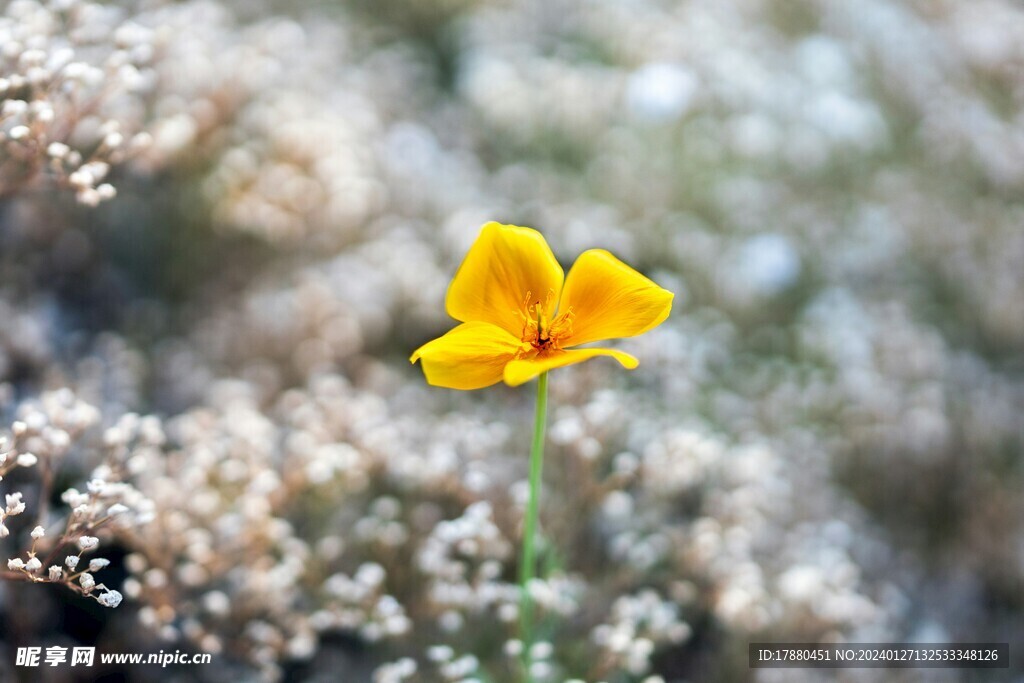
[{"x": 661, "y": 91}]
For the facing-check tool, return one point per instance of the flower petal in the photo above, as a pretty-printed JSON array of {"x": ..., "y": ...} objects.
[
  {"x": 504, "y": 265},
  {"x": 610, "y": 300},
  {"x": 470, "y": 356},
  {"x": 520, "y": 371}
]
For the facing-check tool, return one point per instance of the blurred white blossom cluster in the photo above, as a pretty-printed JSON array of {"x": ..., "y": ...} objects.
[
  {"x": 212, "y": 424},
  {"x": 37, "y": 442},
  {"x": 74, "y": 78}
]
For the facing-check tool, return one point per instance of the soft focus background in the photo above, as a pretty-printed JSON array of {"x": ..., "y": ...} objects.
[{"x": 225, "y": 225}]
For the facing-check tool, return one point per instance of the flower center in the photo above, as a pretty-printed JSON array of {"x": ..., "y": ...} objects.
[{"x": 542, "y": 330}]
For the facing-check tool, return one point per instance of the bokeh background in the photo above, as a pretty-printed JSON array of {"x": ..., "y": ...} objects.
[{"x": 224, "y": 226}]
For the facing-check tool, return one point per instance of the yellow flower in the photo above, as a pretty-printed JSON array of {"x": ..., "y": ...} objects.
[{"x": 520, "y": 313}]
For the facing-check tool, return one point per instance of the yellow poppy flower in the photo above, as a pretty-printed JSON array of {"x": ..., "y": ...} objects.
[{"x": 520, "y": 313}]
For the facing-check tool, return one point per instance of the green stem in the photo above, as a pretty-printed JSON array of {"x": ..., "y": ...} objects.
[{"x": 527, "y": 567}]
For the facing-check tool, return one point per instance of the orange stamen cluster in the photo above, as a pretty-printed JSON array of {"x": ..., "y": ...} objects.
[{"x": 541, "y": 331}]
